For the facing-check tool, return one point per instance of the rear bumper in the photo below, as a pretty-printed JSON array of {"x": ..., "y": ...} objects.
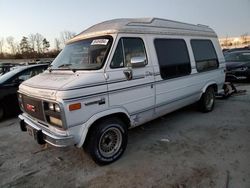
[{"x": 43, "y": 136}]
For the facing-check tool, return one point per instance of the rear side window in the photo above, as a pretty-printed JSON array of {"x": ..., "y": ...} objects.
[
  {"x": 126, "y": 49},
  {"x": 205, "y": 55},
  {"x": 173, "y": 57}
]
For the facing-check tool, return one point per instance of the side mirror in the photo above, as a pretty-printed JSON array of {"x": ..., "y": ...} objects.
[{"x": 137, "y": 62}]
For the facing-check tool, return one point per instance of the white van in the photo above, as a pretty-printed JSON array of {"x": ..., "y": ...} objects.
[{"x": 117, "y": 75}]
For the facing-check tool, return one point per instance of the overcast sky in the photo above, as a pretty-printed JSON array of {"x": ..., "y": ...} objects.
[{"x": 49, "y": 17}]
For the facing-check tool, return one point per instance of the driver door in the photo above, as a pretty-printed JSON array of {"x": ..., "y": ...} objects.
[{"x": 131, "y": 83}]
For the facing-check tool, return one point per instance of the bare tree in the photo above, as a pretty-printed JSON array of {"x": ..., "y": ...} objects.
[
  {"x": 46, "y": 45},
  {"x": 25, "y": 46},
  {"x": 1, "y": 45},
  {"x": 39, "y": 41},
  {"x": 57, "y": 44},
  {"x": 226, "y": 42},
  {"x": 243, "y": 38},
  {"x": 12, "y": 45},
  {"x": 32, "y": 41},
  {"x": 18, "y": 48},
  {"x": 66, "y": 35}
]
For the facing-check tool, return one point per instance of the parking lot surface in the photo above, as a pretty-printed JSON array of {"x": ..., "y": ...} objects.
[{"x": 186, "y": 148}]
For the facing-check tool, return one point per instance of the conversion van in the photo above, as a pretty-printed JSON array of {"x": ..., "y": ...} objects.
[{"x": 117, "y": 75}]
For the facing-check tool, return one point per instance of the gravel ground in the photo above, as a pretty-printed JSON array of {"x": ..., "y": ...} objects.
[{"x": 180, "y": 150}]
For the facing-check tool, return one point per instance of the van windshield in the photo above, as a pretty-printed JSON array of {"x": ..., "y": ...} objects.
[{"x": 87, "y": 54}]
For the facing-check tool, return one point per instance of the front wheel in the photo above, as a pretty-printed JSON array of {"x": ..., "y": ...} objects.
[
  {"x": 1, "y": 112},
  {"x": 107, "y": 141},
  {"x": 207, "y": 100}
]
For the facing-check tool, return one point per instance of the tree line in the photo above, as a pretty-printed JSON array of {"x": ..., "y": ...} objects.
[
  {"x": 243, "y": 40},
  {"x": 32, "y": 46}
]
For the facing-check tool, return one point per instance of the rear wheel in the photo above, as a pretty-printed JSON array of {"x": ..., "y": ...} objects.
[
  {"x": 107, "y": 141},
  {"x": 207, "y": 100}
]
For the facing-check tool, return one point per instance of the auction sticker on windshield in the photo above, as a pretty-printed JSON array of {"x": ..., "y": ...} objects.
[{"x": 100, "y": 42}]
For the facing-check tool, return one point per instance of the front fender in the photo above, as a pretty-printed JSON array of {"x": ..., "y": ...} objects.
[{"x": 96, "y": 117}]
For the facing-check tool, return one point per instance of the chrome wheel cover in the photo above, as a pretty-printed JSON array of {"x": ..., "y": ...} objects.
[
  {"x": 110, "y": 142},
  {"x": 209, "y": 100}
]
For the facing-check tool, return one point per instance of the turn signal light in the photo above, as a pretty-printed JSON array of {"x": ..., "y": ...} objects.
[{"x": 75, "y": 106}]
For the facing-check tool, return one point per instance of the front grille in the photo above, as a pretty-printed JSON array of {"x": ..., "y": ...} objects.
[{"x": 33, "y": 107}]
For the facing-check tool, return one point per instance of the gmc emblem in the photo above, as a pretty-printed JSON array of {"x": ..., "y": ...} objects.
[{"x": 30, "y": 107}]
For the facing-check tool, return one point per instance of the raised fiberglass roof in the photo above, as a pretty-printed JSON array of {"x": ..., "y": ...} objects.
[{"x": 145, "y": 26}]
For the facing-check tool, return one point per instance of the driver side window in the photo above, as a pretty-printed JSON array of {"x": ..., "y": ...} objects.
[
  {"x": 126, "y": 49},
  {"x": 25, "y": 75}
]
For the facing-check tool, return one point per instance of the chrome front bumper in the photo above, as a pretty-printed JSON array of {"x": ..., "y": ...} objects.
[{"x": 42, "y": 136}]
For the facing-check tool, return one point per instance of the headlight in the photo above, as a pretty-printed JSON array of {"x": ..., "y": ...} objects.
[
  {"x": 54, "y": 107},
  {"x": 241, "y": 69},
  {"x": 57, "y": 108},
  {"x": 51, "y": 106},
  {"x": 20, "y": 100},
  {"x": 53, "y": 113},
  {"x": 19, "y": 96}
]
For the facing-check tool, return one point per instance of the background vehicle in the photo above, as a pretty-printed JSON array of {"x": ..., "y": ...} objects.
[
  {"x": 238, "y": 65},
  {"x": 9, "y": 83},
  {"x": 5, "y": 67}
]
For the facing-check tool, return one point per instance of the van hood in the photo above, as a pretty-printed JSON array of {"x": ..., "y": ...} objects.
[
  {"x": 52, "y": 81},
  {"x": 48, "y": 84}
]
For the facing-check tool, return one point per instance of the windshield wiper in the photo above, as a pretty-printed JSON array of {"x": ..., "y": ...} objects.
[{"x": 65, "y": 65}]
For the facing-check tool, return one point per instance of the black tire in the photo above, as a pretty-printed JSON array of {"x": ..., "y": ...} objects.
[
  {"x": 107, "y": 141},
  {"x": 206, "y": 103},
  {"x": 1, "y": 112},
  {"x": 248, "y": 79}
]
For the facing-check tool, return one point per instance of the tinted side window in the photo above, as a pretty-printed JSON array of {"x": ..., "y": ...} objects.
[
  {"x": 25, "y": 75},
  {"x": 173, "y": 57},
  {"x": 205, "y": 55},
  {"x": 31, "y": 72},
  {"x": 126, "y": 49}
]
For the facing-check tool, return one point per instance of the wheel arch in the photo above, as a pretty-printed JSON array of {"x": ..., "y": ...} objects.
[
  {"x": 210, "y": 84},
  {"x": 203, "y": 106},
  {"x": 94, "y": 120}
]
